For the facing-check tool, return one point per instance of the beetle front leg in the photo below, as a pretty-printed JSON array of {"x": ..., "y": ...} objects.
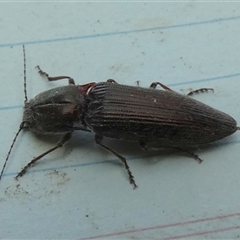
[
  {"x": 65, "y": 138},
  {"x": 98, "y": 140},
  {"x": 42, "y": 73}
]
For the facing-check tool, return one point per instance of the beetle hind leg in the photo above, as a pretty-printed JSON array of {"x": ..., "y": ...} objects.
[
  {"x": 98, "y": 140},
  {"x": 44, "y": 74},
  {"x": 190, "y": 154},
  {"x": 148, "y": 147},
  {"x": 200, "y": 90},
  {"x": 155, "y": 84}
]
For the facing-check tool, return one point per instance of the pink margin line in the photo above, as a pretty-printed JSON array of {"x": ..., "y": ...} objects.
[
  {"x": 170, "y": 225},
  {"x": 201, "y": 233}
]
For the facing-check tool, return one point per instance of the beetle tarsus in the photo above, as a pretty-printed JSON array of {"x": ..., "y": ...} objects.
[
  {"x": 98, "y": 140},
  {"x": 190, "y": 154},
  {"x": 200, "y": 90},
  {"x": 134, "y": 184}
]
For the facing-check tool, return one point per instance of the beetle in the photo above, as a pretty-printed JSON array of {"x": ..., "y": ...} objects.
[{"x": 154, "y": 118}]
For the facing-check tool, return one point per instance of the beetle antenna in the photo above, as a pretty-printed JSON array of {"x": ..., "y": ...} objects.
[
  {"x": 24, "y": 74},
  {"x": 22, "y": 123}
]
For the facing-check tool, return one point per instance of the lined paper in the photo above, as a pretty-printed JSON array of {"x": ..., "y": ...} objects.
[{"x": 81, "y": 191}]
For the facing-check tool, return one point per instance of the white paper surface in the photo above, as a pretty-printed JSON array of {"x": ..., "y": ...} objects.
[{"x": 81, "y": 191}]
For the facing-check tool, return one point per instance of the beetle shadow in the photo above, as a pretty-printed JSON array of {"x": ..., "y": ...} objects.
[
  {"x": 133, "y": 150},
  {"x": 86, "y": 141},
  {"x": 83, "y": 140}
]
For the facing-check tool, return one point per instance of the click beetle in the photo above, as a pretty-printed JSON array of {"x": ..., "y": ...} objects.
[{"x": 154, "y": 118}]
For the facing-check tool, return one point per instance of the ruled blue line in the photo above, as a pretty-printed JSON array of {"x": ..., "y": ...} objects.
[
  {"x": 206, "y": 79},
  {"x": 11, "y": 107},
  {"x": 191, "y": 24}
]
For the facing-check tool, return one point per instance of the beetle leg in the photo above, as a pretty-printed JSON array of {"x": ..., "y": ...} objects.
[
  {"x": 137, "y": 83},
  {"x": 98, "y": 140},
  {"x": 190, "y": 154},
  {"x": 200, "y": 90},
  {"x": 65, "y": 138},
  {"x": 111, "y": 81},
  {"x": 154, "y": 85},
  {"x": 42, "y": 73},
  {"x": 147, "y": 147}
]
